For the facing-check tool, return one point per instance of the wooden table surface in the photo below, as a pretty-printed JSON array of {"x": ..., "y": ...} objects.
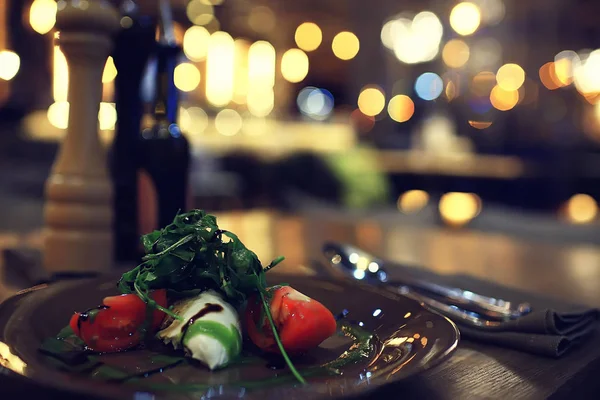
[{"x": 566, "y": 271}]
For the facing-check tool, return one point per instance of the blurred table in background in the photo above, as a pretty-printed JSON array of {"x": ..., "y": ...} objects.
[{"x": 565, "y": 271}]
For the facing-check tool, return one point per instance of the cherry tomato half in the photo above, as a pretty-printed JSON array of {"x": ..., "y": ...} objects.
[
  {"x": 114, "y": 326},
  {"x": 302, "y": 323}
]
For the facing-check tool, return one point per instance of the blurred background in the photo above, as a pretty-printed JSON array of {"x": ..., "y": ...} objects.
[{"x": 480, "y": 115}]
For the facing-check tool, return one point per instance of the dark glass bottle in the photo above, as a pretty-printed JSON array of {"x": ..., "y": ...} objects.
[
  {"x": 164, "y": 151},
  {"x": 133, "y": 46}
]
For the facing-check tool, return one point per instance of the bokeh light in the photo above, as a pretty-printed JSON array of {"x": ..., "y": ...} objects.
[
  {"x": 220, "y": 62},
  {"x": 480, "y": 124},
  {"x": 429, "y": 86},
  {"x": 261, "y": 64},
  {"x": 465, "y": 18},
  {"x": 200, "y": 12},
  {"x": 401, "y": 108},
  {"x": 262, "y": 19},
  {"x": 585, "y": 73},
  {"x": 195, "y": 43},
  {"x": 548, "y": 76},
  {"x": 228, "y": 122},
  {"x": 564, "y": 63},
  {"x": 261, "y": 78},
  {"x": 412, "y": 201},
  {"x": 240, "y": 80},
  {"x": 414, "y": 41},
  {"x": 107, "y": 116},
  {"x": 504, "y": 100},
  {"x": 186, "y": 77},
  {"x": 60, "y": 75},
  {"x": 345, "y": 45},
  {"x": 456, "y": 53},
  {"x": 58, "y": 114},
  {"x": 315, "y": 103},
  {"x": 458, "y": 209},
  {"x": 371, "y": 100},
  {"x": 308, "y": 36},
  {"x": 510, "y": 77},
  {"x": 581, "y": 209},
  {"x": 193, "y": 120},
  {"x": 42, "y": 15},
  {"x": 294, "y": 65},
  {"x": 10, "y": 62},
  {"x": 110, "y": 71}
]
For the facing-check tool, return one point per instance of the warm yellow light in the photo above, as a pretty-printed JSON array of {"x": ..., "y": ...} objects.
[
  {"x": 585, "y": 74},
  {"x": 510, "y": 77},
  {"x": 58, "y": 114},
  {"x": 401, "y": 108},
  {"x": 308, "y": 36},
  {"x": 504, "y": 100},
  {"x": 220, "y": 63},
  {"x": 456, "y": 53},
  {"x": 480, "y": 124},
  {"x": 261, "y": 64},
  {"x": 345, "y": 45},
  {"x": 581, "y": 209},
  {"x": 16, "y": 364},
  {"x": 10, "y": 62},
  {"x": 371, "y": 101},
  {"x": 451, "y": 91},
  {"x": 240, "y": 86},
  {"x": 195, "y": 43},
  {"x": 228, "y": 122},
  {"x": 465, "y": 18},
  {"x": 110, "y": 71},
  {"x": 60, "y": 79},
  {"x": 261, "y": 78},
  {"x": 548, "y": 76},
  {"x": 414, "y": 41},
  {"x": 42, "y": 15},
  {"x": 193, "y": 120},
  {"x": 186, "y": 77},
  {"x": 260, "y": 101},
  {"x": 412, "y": 201},
  {"x": 107, "y": 116},
  {"x": 563, "y": 68},
  {"x": 294, "y": 65},
  {"x": 458, "y": 209},
  {"x": 200, "y": 12}
]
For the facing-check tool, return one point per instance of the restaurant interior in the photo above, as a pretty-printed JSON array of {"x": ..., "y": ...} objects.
[{"x": 459, "y": 138}]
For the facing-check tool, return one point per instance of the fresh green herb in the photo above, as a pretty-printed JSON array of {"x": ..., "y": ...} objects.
[{"x": 192, "y": 255}]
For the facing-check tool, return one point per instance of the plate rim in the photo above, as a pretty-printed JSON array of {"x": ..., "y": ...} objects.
[{"x": 353, "y": 391}]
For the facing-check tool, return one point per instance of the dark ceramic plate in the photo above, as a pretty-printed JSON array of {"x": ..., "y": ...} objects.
[{"x": 408, "y": 339}]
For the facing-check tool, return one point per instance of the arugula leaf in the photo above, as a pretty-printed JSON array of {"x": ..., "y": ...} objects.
[{"x": 193, "y": 254}]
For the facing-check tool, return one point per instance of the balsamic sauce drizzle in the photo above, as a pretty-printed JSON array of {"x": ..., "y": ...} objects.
[
  {"x": 207, "y": 309},
  {"x": 85, "y": 315}
]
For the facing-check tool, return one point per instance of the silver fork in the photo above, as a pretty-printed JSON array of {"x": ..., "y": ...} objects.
[{"x": 463, "y": 305}]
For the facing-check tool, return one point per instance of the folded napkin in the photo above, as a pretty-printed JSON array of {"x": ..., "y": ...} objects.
[{"x": 551, "y": 329}]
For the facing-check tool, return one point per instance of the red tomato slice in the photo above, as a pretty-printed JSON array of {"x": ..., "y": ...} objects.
[
  {"x": 114, "y": 326},
  {"x": 302, "y": 323}
]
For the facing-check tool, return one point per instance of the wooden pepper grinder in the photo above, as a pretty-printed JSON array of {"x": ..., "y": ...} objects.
[{"x": 78, "y": 211}]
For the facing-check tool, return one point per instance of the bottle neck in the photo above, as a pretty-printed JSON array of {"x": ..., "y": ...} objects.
[{"x": 166, "y": 98}]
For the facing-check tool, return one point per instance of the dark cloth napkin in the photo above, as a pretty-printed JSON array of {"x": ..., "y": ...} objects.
[{"x": 551, "y": 329}]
